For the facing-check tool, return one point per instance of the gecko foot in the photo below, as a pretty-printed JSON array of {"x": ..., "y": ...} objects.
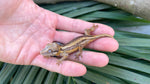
[
  {"x": 77, "y": 57},
  {"x": 88, "y": 31},
  {"x": 58, "y": 62}
]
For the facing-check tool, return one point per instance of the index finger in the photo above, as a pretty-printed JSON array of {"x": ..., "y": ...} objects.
[{"x": 76, "y": 25}]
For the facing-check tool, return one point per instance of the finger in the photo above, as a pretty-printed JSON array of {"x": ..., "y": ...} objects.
[
  {"x": 102, "y": 44},
  {"x": 92, "y": 58},
  {"x": 67, "y": 68},
  {"x": 76, "y": 25}
]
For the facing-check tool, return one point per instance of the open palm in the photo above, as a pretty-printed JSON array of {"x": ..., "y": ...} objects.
[{"x": 25, "y": 29}]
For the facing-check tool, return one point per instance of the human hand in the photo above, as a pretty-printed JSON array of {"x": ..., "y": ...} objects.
[{"x": 25, "y": 29}]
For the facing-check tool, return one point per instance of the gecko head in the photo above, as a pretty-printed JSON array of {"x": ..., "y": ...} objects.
[{"x": 51, "y": 49}]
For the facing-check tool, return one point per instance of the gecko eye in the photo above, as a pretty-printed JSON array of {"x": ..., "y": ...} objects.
[{"x": 49, "y": 51}]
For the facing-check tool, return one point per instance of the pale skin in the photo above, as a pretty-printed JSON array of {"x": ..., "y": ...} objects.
[{"x": 25, "y": 29}]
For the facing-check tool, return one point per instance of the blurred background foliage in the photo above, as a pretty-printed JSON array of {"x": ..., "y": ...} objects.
[{"x": 128, "y": 65}]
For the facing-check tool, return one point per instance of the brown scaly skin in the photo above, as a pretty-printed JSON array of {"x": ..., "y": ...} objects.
[{"x": 77, "y": 44}]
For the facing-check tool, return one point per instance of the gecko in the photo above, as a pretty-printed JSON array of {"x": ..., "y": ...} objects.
[{"x": 75, "y": 45}]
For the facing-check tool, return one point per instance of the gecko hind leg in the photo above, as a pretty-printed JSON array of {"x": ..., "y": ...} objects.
[
  {"x": 79, "y": 52},
  {"x": 88, "y": 31}
]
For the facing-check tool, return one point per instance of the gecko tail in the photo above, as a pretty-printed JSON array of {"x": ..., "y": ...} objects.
[{"x": 103, "y": 35}]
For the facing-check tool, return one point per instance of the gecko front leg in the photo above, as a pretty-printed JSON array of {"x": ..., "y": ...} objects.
[{"x": 64, "y": 56}]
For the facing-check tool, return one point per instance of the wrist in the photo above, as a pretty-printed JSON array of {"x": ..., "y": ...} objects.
[{"x": 7, "y": 7}]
